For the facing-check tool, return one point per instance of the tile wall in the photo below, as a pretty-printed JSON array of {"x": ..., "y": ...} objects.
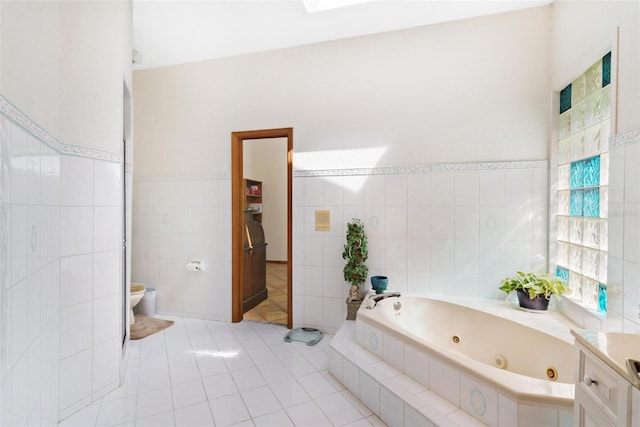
[
  {"x": 175, "y": 220},
  {"x": 60, "y": 240},
  {"x": 444, "y": 229},
  {"x": 433, "y": 229}
]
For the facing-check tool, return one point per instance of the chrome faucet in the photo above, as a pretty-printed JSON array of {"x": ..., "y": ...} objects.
[{"x": 379, "y": 297}]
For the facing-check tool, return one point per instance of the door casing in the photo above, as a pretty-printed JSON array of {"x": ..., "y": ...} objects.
[{"x": 237, "y": 218}]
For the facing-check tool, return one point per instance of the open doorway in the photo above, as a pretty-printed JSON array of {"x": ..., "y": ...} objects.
[{"x": 252, "y": 152}]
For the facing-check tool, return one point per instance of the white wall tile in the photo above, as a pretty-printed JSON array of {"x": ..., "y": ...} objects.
[
  {"x": 374, "y": 191},
  {"x": 333, "y": 191},
  {"x": 107, "y": 183},
  {"x": 75, "y": 381},
  {"x": 34, "y": 233},
  {"x": 391, "y": 408},
  {"x": 442, "y": 189},
  {"x": 419, "y": 190},
  {"x": 34, "y": 172},
  {"x": 519, "y": 187},
  {"x": 75, "y": 329},
  {"x": 467, "y": 223},
  {"x": 416, "y": 365},
  {"x": 353, "y": 190},
  {"x": 106, "y": 273},
  {"x": 479, "y": 401},
  {"x": 393, "y": 352},
  {"x": 107, "y": 315},
  {"x": 19, "y": 242},
  {"x": 396, "y": 190},
  {"x": 632, "y": 173},
  {"x": 442, "y": 223},
  {"x": 370, "y": 392},
  {"x": 76, "y": 279},
  {"x": 492, "y": 188},
  {"x": 76, "y": 230},
  {"x": 467, "y": 189},
  {"x": 76, "y": 181},
  {"x": 106, "y": 366},
  {"x": 313, "y": 192},
  {"x": 18, "y": 162},
  {"x": 444, "y": 381},
  {"x": 351, "y": 377}
]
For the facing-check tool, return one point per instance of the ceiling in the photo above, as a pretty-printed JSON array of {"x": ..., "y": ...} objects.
[{"x": 169, "y": 32}]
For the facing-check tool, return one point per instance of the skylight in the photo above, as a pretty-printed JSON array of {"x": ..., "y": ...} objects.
[{"x": 321, "y": 5}]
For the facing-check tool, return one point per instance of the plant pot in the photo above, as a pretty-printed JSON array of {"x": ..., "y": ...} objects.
[
  {"x": 379, "y": 283},
  {"x": 538, "y": 303},
  {"x": 352, "y": 308}
]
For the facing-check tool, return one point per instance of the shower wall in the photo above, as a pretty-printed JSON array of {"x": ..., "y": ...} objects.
[{"x": 60, "y": 205}]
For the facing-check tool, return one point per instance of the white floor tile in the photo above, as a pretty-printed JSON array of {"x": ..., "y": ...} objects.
[
  {"x": 260, "y": 401},
  {"x": 187, "y": 394},
  {"x": 194, "y": 416},
  {"x": 219, "y": 385},
  {"x": 117, "y": 411},
  {"x": 165, "y": 419},
  {"x": 261, "y": 355},
  {"x": 154, "y": 402},
  {"x": 307, "y": 414},
  {"x": 289, "y": 393},
  {"x": 316, "y": 385},
  {"x": 229, "y": 410},
  {"x": 85, "y": 417},
  {"x": 338, "y": 409},
  {"x": 248, "y": 378},
  {"x": 275, "y": 419},
  {"x": 205, "y": 373},
  {"x": 211, "y": 366},
  {"x": 184, "y": 372},
  {"x": 285, "y": 351},
  {"x": 275, "y": 372},
  {"x": 299, "y": 366}
]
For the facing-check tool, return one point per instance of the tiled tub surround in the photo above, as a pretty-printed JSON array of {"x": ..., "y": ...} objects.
[
  {"x": 408, "y": 380},
  {"x": 60, "y": 239}
]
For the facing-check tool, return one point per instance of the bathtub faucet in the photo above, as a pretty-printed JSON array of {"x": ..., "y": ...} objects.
[{"x": 379, "y": 297}]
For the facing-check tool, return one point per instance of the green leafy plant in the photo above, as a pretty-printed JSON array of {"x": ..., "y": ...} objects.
[
  {"x": 535, "y": 284},
  {"x": 355, "y": 253}
]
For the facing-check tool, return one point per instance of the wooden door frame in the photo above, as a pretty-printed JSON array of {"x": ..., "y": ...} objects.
[{"x": 237, "y": 216}]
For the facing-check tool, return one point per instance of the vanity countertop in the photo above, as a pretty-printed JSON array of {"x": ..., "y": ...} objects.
[{"x": 614, "y": 348}]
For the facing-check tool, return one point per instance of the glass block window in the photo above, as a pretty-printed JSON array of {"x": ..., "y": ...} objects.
[{"x": 583, "y": 178}]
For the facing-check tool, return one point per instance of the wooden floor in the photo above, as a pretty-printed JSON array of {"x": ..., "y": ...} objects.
[{"x": 274, "y": 308}]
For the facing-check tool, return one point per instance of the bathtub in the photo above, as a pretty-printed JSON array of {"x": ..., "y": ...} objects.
[{"x": 488, "y": 358}]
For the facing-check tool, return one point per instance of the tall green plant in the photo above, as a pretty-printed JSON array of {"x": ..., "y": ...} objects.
[{"x": 355, "y": 253}]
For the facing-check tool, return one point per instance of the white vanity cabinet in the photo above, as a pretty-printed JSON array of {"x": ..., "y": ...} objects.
[{"x": 602, "y": 396}]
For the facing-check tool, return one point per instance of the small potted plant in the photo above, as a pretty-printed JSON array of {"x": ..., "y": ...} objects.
[
  {"x": 534, "y": 289},
  {"x": 355, "y": 253}
]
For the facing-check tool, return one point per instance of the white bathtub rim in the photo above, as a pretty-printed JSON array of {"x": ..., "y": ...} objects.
[{"x": 537, "y": 392}]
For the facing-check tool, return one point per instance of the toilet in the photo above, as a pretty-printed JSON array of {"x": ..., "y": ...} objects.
[{"x": 137, "y": 292}]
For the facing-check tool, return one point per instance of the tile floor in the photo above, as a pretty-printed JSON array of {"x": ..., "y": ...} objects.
[
  {"x": 206, "y": 373},
  {"x": 274, "y": 308}
]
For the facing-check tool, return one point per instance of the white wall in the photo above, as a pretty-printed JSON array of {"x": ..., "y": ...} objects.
[
  {"x": 266, "y": 161},
  {"x": 582, "y": 33},
  {"x": 469, "y": 91},
  {"x": 62, "y": 70}
]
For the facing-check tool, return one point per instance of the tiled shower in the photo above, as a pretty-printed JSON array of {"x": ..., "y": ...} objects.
[{"x": 60, "y": 236}]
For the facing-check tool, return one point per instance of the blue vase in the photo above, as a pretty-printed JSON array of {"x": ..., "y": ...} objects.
[{"x": 379, "y": 283}]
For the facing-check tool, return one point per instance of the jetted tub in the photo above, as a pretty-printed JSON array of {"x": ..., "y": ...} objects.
[{"x": 458, "y": 346}]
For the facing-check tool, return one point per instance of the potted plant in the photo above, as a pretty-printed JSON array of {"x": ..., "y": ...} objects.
[
  {"x": 534, "y": 289},
  {"x": 355, "y": 253}
]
